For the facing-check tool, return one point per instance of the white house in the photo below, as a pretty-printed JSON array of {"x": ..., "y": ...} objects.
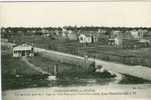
[
  {"x": 85, "y": 39},
  {"x": 23, "y": 50},
  {"x": 135, "y": 34},
  {"x": 46, "y": 35},
  {"x": 115, "y": 41}
]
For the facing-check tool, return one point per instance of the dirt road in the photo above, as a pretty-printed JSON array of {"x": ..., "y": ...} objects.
[{"x": 136, "y": 71}]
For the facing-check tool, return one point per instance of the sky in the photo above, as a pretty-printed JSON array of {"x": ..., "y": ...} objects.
[{"x": 111, "y": 14}]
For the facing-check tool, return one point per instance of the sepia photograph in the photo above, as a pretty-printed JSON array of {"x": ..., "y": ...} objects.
[{"x": 62, "y": 50}]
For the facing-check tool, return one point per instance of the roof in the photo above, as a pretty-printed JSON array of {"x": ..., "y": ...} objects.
[
  {"x": 85, "y": 35},
  {"x": 23, "y": 47}
]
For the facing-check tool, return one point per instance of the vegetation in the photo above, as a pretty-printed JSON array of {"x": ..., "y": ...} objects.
[
  {"x": 127, "y": 79},
  {"x": 17, "y": 74},
  {"x": 98, "y": 50}
]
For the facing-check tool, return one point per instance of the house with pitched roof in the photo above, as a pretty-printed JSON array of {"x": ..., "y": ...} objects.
[{"x": 23, "y": 50}]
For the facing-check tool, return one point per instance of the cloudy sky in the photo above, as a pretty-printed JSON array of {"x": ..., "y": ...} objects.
[{"x": 35, "y": 14}]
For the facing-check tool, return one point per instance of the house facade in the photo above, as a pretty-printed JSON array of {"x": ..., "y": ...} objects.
[
  {"x": 23, "y": 50},
  {"x": 116, "y": 39},
  {"x": 87, "y": 38}
]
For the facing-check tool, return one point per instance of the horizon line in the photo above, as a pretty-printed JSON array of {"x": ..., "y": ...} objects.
[{"x": 74, "y": 26}]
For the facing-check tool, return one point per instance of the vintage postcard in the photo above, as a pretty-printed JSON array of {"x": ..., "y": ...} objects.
[{"x": 69, "y": 50}]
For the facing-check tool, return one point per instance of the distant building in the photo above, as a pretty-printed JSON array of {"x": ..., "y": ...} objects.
[
  {"x": 45, "y": 35},
  {"x": 115, "y": 34},
  {"x": 115, "y": 38},
  {"x": 135, "y": 34},
  {"x": 2, "y": 30},
  {"x": 87, "y": 38},
  {"x": 64, "y": 33},
  {"x": 128, "y": 39},
  {"x": 101, "y": 31},
  {"x": 84, "y": 39},
  {"x": 144, "y": 43},
  {"x": 44, "y": 31},
  {"x": 23, "y": 50},
  {"x": 115, "y": 41},
  {"x": 72, "y": 36}
]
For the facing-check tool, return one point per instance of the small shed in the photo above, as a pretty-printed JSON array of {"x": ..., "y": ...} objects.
[{"x": 23, "y": 50}]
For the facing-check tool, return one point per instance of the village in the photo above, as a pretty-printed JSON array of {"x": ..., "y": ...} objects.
[
  {"x": 72, "y": 49},
  {"x": 122, "y": 37},
  {"x": 73, "y": 39},
  {"x": 130, "y": 46}
]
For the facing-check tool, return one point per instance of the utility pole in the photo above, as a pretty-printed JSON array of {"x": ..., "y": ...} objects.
[
  {"x": 55, "y": 69},
  {"x": 85, "y": 61},
  {"x": 48, "y": 69},
  {"x": 53, "y": 77}
]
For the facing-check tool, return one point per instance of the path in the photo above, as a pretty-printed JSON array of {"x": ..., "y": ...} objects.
[
  {"x": 136, "y": 71},
  {"x": 34, "y": 67}
]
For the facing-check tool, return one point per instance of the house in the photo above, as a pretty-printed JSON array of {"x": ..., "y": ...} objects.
[
  {"x": 89, "y": 38},
  {"x": 111, "y": 41},
  {"x": 44, "y": 31},
  {"x": 23, "y": 50},
  {"x": 45, "y": 35},
  {"x": 119, "y": 38},
  {"x": 72, "y": 36},
  {"x": 69, "y": 34},
  {"x": 85, "y": 39},
  {"x": 144, "y": 42},
  {"x": 116, "y": 38},
  {"x": 135, "y": 34},
  {"x": 102, "y": 31},
  {"x": 128, "y": 39},
  {"x": 115, "y": 41},
  {"x": 2, "y": 30}
]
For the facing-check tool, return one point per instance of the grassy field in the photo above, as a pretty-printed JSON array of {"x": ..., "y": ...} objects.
[
  {"x": 17, "y": 74},
  {"x": 67, "y": 73},
  {"x": 140, "y": 56},
  {"x": 12, "y": 68},
  {"x": 65, "y": 70}
]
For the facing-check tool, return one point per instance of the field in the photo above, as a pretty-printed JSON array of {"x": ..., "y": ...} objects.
[
  {"x": 140, "y": 56},
  {"x": 17, "y": 74}
]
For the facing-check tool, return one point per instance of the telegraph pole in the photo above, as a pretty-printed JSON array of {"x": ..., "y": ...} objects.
[{"x": 55, "y": 69}]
